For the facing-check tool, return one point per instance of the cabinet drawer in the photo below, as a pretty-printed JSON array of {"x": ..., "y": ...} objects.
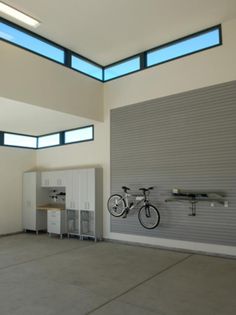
[
  {"x": 54, "y": 214},
  {"x": 54, "y": 227}
]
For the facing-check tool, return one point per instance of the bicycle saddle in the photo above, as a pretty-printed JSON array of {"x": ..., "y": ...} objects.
[
  {"x": 146, "y": 189},
  {"x": 125, "y": 188}
]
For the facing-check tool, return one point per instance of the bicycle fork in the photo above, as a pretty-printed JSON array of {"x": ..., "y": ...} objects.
[{"x": 147, "y": 210}]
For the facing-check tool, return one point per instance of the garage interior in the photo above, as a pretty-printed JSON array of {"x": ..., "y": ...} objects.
[{"x": 98, "y": 95}]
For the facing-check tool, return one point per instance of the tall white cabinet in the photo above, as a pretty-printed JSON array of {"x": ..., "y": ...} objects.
[
  {"x": 90, "y": 203},
  {"x": 84, "y": 203},
  {"x": 33, "y": 195},
  {"x": 72, "y": 190}
]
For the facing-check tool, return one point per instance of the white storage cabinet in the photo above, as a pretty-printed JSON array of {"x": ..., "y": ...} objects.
[
  {"x": 33, "y": 194},
  {"x": 90, "y": 201},
  {"x": 54, "y": 179},
  {"x": 56, "y": 222}
]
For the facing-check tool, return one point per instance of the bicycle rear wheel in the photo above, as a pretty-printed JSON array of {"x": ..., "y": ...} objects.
[
  {"x": 116, "y": 205},
  {"x": 149, "y": 217}
]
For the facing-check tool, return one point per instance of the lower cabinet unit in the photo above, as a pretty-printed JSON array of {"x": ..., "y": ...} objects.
[
  {"x": 73, "y": 223},
  {"x": 57, "y": 222},
  {"x": 88, "y": 226}
]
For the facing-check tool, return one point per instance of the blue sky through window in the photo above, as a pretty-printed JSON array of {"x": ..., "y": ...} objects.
[
  {"x": 80, "y": 134},
  {"x": 27, "y": 41},
  {"x": 122, "y": 68},
  {"x": 86, "y": 67},
  {"x": 49, "y": 140},
  {"x": 20, "y": 140},
  {"x": 184, "y": 47}
]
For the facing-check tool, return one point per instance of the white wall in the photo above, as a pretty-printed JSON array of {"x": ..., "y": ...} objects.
[
  {"x": 13, "y": 162},
  {"x": 73, "y": 155},
  {"x": 41, "y": 82}
]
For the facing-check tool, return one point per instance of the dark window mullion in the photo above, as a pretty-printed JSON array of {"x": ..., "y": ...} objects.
[
  {"x": 1, "y": 138},
  {"x": 62, "y": 137},
  {"x": 143, "y": 60},
  {"x": 67, "y": 58}
]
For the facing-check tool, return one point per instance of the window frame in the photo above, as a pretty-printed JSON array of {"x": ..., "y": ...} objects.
[
  {"x": 49, "y": 134},
  {"x": 120, "y": 62},
  {"x": 39, "y": 37},
  {"x": 61, "y": 138},
  {"x": 68, "y": 54},
  {"x": 18, "y": 146},
  {"x": 179, "y": 40},
  {"x": 87, "y": 140},
  {"x": 76, "y": 55}
]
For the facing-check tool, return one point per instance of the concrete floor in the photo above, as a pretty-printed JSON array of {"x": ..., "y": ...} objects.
[{"x": 46, "y": 276}]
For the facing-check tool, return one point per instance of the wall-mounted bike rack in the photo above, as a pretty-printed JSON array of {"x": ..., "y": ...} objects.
[{"x": 197, "y": 196}]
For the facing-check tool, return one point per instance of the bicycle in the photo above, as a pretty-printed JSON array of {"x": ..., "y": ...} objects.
[{"x": 148, "y": 215}]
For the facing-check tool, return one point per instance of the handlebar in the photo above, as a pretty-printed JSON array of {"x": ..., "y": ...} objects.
[{"x": 146, "y": 189}]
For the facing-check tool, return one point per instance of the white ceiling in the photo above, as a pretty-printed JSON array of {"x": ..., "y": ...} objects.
[
  {"x": 109, "y": 30},
  {"x": 33, "y": 120}
]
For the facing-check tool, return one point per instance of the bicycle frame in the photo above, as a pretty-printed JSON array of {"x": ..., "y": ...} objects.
[{"x": 138, "y": 200}]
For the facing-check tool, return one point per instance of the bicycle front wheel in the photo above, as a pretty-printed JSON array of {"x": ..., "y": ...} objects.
[
  {"x": 149, "y": 217},
  {"x": 116, "y": 205}
]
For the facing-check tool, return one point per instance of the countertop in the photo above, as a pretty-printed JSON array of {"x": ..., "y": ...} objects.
[{"x": 51, "y": 206}]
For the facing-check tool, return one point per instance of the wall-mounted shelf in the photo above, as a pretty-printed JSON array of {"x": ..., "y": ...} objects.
[{"x": 197, "y": 196}]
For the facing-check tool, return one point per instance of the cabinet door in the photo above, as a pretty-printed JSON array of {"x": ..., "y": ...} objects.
[
  {"x": 91, "y": 189},
  {"x": 54, "y": 179},
  {"x": 59, "y": 178},
  {"x": 69, "y": 190},
  {"x": 72, "y": 190},
  {"x": 83, "y": 190},
  {"x": 29, "y": 201},
  {"x": 87, "y": 189},
  {"x": 46, "y": 179},
  {"x": 76, "y": 189}
]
